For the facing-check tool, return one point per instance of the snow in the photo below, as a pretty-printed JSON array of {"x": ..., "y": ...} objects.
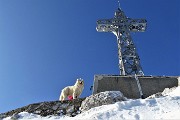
[
  {"x": 172, "y": 92},
  {"x": 165, "y": 107},
  {"x": 160, "y": 108}
]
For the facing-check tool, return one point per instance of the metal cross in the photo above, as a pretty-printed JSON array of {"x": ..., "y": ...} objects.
[{"x": 121, "y": 26}]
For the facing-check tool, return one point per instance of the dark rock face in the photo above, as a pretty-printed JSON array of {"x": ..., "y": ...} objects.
[
  {"x": 70, "y": 108},
  {"x": 102, "y": 98}
]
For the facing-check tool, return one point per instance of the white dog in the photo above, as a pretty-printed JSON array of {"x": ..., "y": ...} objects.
[{"x": 74, "y": 91}]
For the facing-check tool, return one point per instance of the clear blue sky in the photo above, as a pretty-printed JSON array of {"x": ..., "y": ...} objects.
[{"x": 46, "y": 45}]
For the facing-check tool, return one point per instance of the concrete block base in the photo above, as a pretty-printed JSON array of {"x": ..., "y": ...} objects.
[{"x": 128, "y": 85}]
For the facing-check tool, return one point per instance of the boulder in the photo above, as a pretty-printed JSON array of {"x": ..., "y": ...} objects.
[{"x": 102, "y": 98}]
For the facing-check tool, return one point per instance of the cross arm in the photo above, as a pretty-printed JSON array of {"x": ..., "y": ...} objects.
[
  {"x": 110, "y": 25},
  {"x": 137, "y": 25},
  {"x": 104, "y": 25}
]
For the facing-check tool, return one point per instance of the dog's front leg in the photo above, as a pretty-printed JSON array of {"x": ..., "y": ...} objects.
[{"x": 74, "y": 96}]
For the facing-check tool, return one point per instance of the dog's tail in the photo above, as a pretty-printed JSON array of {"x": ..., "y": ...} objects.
[{"x": 61, "y": 97}]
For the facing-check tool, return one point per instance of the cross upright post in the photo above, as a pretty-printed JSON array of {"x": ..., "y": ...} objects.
[{"x": 121, "y": 26}]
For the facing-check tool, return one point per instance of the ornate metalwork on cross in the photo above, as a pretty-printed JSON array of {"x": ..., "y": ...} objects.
[{"x": 121, "y": 26}]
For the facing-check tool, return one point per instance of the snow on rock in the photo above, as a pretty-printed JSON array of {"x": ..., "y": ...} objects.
[
  {"x": 23, "y": 115},
  {"x": 175, "y": 91},
  {"x": 102, "y": 98},
  {"x": 31, "y": 116}
]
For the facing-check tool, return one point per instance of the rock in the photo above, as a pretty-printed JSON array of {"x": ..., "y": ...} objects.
[
  {"x": 57, "y": 108},
  {"x": 15, "y": 117},
  {"x": 103, "y": 98},
  {"x": 157, "y": 95}
]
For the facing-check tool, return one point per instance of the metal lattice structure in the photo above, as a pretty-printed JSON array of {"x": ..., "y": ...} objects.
[{"x": 121, "y": 26}]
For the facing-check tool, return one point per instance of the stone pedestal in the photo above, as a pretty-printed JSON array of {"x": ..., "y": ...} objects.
[{"x": 128, "y": 85}]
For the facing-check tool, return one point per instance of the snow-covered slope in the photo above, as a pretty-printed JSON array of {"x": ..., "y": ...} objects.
[{"x": 167, "y": 107}]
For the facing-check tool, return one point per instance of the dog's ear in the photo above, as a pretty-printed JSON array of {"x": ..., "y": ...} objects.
[
  {"x": 77, "y": 80},
  {"x": 80, "y": 79}
]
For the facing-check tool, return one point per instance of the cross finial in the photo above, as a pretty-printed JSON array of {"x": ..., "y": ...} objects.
[{"x": 119, "y": 4}]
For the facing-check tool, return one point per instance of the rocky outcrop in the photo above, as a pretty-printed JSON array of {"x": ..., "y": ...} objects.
[
  {"x": 67, "y": 107},
  {"x": 103, "y": 98}
]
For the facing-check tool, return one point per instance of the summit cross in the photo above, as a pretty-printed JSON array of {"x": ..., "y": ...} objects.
[{"x": 121, "y": 26}]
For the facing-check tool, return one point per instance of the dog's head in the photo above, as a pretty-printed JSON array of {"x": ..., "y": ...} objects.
[{"x": 80, "y": 82}]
